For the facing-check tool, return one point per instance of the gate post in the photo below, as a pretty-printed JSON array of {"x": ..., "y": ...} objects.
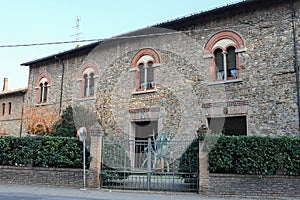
[
  {"x": 149, "y": 164},
  {"x": 203, "y": 170},
  {"x": 96, "y": 154}
]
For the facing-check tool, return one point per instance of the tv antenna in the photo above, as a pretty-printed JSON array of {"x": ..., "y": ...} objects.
[{"x": 76, "y": 27}]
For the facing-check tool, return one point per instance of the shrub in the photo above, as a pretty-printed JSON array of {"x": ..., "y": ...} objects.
[
  {"x": 42, "y": 152},
  {"x": 256, "y": 155},
  {"x": 247, "y": 155}
]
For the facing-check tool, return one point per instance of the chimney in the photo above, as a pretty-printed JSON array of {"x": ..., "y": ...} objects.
[{"x": 5, "y": 85}]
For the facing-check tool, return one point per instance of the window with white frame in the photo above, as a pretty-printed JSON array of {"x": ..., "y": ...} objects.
[
  {"x": 42, "y": 85},
  {"x": 144, "y": 65},
  {"x": 225, "y": 61},
  {"x": 86, "y": 79},
  {"x": 223, "y": 49},
  {"x": 89, "y": 82},
  {"x": 43, "y": 90}
]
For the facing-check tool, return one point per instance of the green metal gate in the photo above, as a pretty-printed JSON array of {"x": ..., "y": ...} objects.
[{"x": 149, "y": 165}]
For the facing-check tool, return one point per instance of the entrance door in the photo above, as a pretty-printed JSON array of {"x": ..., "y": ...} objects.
[{"x": 143, "y": 131}]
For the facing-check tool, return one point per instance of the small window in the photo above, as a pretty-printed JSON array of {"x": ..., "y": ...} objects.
[
  {"x": 223, "y": 49},
  {"x": 144, "y": 65},
  {"x": 9, "y": 108},
  {"x": 89, "y": 83},
  {"x": 43, "y": 92},
  {"x": 42, "y": 86},
  {"x": 86, "y": 78},
  {"x": 3, "y": 109},
  {"x": 219, "y": 60},
  {"x": 225, "y": 64}
]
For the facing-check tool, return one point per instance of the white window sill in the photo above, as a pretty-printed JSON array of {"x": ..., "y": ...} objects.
[
  {"x": 144, "y": 91},
  {"x": 226, "y": 81},
  {"x": 87, "y": 98}
]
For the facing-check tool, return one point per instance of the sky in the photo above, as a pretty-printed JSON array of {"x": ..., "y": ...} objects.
[{"x": 43, "y": 21}]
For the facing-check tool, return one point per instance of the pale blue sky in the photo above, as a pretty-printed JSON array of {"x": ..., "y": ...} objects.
[{"x": 39, "y": 21}]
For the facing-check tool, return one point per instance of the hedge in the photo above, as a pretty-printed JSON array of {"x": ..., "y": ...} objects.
[
  {"x": 63, "y": 152},
  {"x": 256, "y": 155}
]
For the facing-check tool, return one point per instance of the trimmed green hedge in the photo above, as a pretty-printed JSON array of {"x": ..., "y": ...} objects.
[
  {"x": 38, "y": 151},
  {"x": 256, "y": 155}
]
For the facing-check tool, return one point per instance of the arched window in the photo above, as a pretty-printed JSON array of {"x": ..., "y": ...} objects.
[
  {"x": 223, "y": 49},
  {"x": 9, "y": 108},
  {"x": 42, "y": 85},
  {"x": 43, "y": 90},
  {"x": 144, "y": 64},
  {"x": 3, "y": 108},
  {"x": 86, "y": 78}
]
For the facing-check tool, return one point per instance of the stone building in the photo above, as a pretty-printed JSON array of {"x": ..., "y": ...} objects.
[
  {"x": 11, "y": 116},
  {"x": 233, "y": 69}
]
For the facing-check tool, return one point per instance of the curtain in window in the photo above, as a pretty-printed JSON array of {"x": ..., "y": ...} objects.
[
  {"x": 219, "y": 60},
  {"x": 150, "y": 75}
]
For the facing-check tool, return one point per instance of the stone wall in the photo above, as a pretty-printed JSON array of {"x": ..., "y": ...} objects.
[
  {"x": 58, "y": 177},
  {"x": 10, "y": 123},
  {"x": 266, "y": 85},
  {"x": 253, "y": 186}
]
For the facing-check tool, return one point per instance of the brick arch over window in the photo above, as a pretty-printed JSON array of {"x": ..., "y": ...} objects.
[
  {"x": 86, "y": 78},
  {"x": 231, "y": 35},
  {"x": 143, "y": 64},
  {"x": 223, "y": 50},
  {"x": 42, "y": 84}
]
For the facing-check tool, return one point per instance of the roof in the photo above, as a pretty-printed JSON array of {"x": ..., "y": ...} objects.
[
  {"x": 77, "y": 50},
  {"x": 13, "y": 92},
  {"x": 177, "y": 24},
  {"x": 241, "y": 6}
]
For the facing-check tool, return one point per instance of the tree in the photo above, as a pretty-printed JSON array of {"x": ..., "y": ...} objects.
[
  {"x": 65, "y": 127},
  {"x": 40, "y": 120}
]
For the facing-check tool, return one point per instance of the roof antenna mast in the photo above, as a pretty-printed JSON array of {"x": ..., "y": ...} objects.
[{"x": 76, "y": 27}]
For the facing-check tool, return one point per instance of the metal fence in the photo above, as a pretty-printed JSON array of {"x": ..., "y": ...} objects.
[{"x": 149, "y": 165}]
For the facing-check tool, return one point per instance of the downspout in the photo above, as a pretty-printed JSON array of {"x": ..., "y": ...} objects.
[
  {"x": 61, "y": 83},
  {"x": 296, "y": 59},
  {"x": 22, "y": 113}
]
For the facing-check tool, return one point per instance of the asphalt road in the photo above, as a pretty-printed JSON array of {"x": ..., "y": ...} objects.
[{"x": 19, "y": 192}]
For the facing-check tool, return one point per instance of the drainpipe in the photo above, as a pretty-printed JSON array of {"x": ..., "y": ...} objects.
[
  {"x": 61, "y": 83},
  {"x": 296, "y": 59},
  {"x": 22, "y": 112}
]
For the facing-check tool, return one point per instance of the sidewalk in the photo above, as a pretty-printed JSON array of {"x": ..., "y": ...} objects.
[{"x": 101, "y": 194}]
